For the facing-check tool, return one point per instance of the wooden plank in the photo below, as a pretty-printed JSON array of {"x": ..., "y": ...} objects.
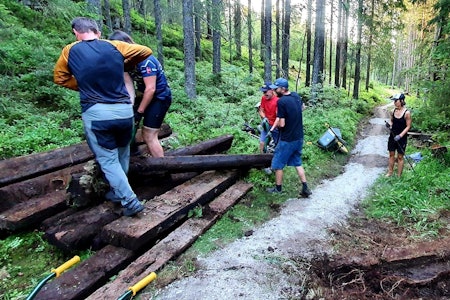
[
  {"x": 30, "y": 213},
  {"x": 198, "y": 163},
  {"x": 87, "y": 276},
  {"x": 162, "y": 212},
  {"x": 173, "y": 245},
  {"x": 25, "y": 167},
  {"x": 80, "y": 230}
]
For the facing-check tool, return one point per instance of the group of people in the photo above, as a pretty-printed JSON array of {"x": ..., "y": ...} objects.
[
  {"x": 105, "y": 72},
  {"x": 283, "y": 111}
]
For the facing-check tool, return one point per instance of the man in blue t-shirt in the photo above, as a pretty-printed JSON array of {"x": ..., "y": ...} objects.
[{"x": 289, "y": 148}]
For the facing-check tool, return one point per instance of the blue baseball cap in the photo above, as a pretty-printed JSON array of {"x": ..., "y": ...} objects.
[
  {"x": 266, "y": 87},
  {"x": 280, "y": 82}
]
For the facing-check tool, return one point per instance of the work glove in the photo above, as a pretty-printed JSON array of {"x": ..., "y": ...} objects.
[
  {"x": 388, "y": 126},
  {"x": 397, "y": 138}
]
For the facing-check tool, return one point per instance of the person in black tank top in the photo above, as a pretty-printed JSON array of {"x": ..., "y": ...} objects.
[{"x": 399, "y": 127}]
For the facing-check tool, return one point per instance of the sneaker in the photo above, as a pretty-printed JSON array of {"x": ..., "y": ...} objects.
[
  {"x": 268, "y": 171},
  {"x": 132, "y": 208},
  {"x": 273, "y": 190},
  {"x": 306, "y": 193}
]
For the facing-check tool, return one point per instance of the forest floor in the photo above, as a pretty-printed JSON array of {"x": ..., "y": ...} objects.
[{"x": 323, "y": 247}]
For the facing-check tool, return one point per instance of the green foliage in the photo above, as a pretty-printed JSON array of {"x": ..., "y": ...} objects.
[{"x": 417, "y": 199}]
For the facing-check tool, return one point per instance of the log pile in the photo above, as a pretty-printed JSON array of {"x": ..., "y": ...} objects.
[{"x": 33, "y": 196}]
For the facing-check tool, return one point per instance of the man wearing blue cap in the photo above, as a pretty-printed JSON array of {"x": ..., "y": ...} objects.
[
  {"x": 268, "y": 112},
  {"x": 289, "y": 148}
]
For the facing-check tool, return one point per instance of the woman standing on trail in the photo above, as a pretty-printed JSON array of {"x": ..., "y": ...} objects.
[{"x": 399, "y": 127}]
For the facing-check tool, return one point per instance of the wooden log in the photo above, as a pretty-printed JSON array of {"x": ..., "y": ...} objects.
[
  {"x": 30, "y": 213},
  {"x": 79, "y": 231},
  {"x": 164, "y": 211},
  {"x": 88, "y": 275},
  {"x": 15, "y": 193},
  {"x": 173, "y": 245},
  {"x": 198, "y": 163},
  {"x": 212, "y": 146},
  {"x": 29, "y": 166}
]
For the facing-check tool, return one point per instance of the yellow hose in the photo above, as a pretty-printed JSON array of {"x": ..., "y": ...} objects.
[
  {"x": 59, "y": 270},
  {"x": 142, "y": 283}
]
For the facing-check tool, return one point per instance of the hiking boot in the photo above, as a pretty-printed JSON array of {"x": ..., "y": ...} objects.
[
  {"x": 132, "y": 208},
  {"x": 306, "y": 193},
  {"x": 273, "y": 190}
]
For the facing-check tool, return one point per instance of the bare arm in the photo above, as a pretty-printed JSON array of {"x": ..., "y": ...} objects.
[{"x": 150, "y": 88}]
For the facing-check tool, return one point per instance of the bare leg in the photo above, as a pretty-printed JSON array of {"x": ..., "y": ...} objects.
[
  {"x": 261, "y": 147},
  {"x": 150, "y": 136},
  {"x": 391, "y": 163},
  {"x": 278, "y": 177},
  {"x": 400, "y": 163},
  {"x": 301, "y": 173}
]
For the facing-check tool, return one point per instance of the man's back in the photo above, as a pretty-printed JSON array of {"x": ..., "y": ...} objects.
[{"x": 290, "y": 108}]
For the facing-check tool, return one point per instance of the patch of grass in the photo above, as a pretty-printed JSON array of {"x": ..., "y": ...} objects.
[{"x": 417, "y": 199}]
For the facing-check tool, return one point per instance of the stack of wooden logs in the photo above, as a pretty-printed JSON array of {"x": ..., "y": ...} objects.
[{"x": 33, "y": 193}]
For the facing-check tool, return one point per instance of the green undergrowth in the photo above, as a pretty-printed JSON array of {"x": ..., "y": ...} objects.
[{"x": 419, "y": 199}]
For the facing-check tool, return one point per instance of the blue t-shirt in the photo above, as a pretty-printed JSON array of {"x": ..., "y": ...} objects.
[
  {"x": 290, "y": 108},
  {"x": 152, "y": 67}
]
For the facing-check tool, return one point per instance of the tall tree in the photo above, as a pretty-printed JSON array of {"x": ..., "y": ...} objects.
[
  {"x": 95, "y": 7},
  {"x": 277, "y": 39},
  {"x": 370, "y": 24},
  {"x": 344, "y": 47},
  {"x": 358, "y": 50},
  {"x": 158, "y": 22},
  {"x": 285, "y": 38},
  {"x": 331, "y": 42},
  {"x": 198, "y": 8},
  {"x": 319, "y": 43},
  {"x": 250, "y": 43},
  {"x": 263, "y": 30},
  {"x": 308, "y": 43},
  {"x": 189, "y": 49},
  {"x": 268, "y": 41},
  {"x": 126, "y": 16},
  {"x": 216, "y": 10},
  {"x": 107, "y": 14},
  {"x": 238, "y": 28},
  {"x": 337, "y": 64}
]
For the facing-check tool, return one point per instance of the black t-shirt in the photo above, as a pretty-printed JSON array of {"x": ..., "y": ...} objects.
[{"x": 290, "y": 108}]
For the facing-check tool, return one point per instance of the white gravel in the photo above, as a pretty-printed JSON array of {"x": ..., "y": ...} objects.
[{"x": 260, "y": 266}]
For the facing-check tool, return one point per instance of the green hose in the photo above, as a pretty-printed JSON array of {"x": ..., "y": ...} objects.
[{"x": 40, "y": 285}]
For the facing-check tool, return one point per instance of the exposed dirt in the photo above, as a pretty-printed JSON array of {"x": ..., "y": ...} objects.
[{"x": 324, "y": 248}]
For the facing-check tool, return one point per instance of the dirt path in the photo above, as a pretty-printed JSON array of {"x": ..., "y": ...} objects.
[{"x": 266, "y": 264}]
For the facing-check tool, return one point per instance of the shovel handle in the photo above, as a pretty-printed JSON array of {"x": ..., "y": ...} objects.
[
  {"x": 142, "y": 283},
  {"x": 59, "y": 270}
]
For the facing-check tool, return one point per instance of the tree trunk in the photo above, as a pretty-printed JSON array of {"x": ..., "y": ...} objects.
[
  {"x": 277, "y": 40},
  {"x": 369, "y": 46},
  {"x": 337, "y": 63},
  {"x": 126, "y": 16},
  {"x": 189, "y": 49},
  {"x": 358, "y": 51},
  {"x": 216, "y": 11},
  {"x": 331, "y": 42},
  {"x": 238, "y": 29},
  {"x": 107, "y": 14},
  {"x": 308, "y": 44},
  {"x": 285, "y": 40},
  {"x": 158, "y": 23},
  {"x": 263, "y": 29},
  {"x": 319, "y": 40},
  {"x": 198, "y": 10},
  {"x": 268, "y": 41},
  {"x": 95, "y": 7},
  {"x": 345, "y": 44},
  {"x": 250, "y": 43}
]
